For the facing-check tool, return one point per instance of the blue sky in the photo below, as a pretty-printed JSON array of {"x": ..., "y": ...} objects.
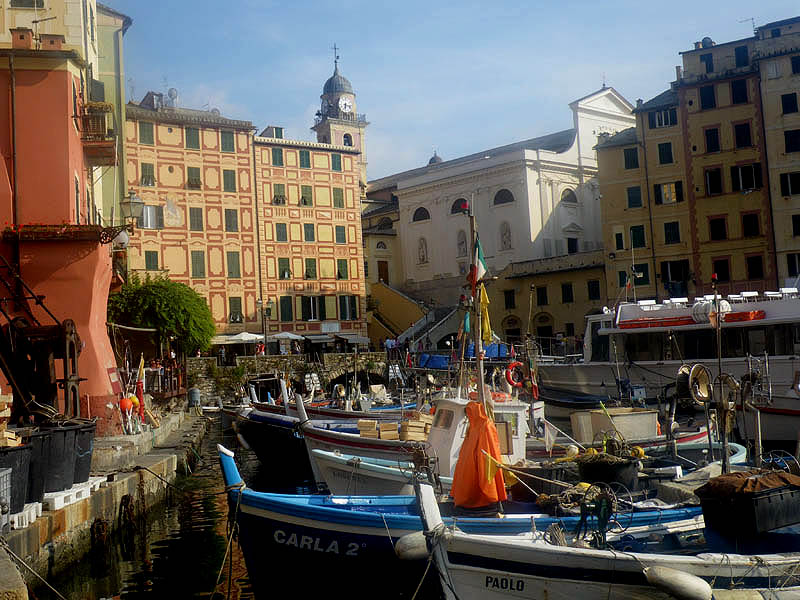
[{"x": 457, "y": 77}]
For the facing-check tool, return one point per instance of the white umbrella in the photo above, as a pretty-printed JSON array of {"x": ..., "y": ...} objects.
[
  {"x": 247, "y": 338},
  {"x": 285, "y": 335}
]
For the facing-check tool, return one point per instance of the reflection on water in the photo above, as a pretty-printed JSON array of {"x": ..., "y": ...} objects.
[{"x": 178, "y": 552}]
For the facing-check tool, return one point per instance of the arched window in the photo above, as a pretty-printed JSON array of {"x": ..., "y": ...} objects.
[
  {"x": 568, "y": 195},
  {"x": 422, "y": 251},
  {"x": 380, "y": 246},
  {"x": 503, "y": 197},
  {"x": 461, "y": 242},
  {"x": 385, "y": 223},
  {"x": 348, "y": 139},
  {"x": 505, "y": 236},
  {"x": 421, "y": 214},
  {"x": 459, "y": 206}
]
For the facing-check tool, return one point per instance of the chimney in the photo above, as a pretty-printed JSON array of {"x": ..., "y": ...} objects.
[
  {"x": 21, "y": 38},
  {"x": 639, "y": 102},
  {"x": 51, "y": 41},
  {"x": 678, "y": 72},
  {"x": 698, "y": 45}
]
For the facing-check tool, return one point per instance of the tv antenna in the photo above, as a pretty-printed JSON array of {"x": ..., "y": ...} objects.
[
  {"x": 335, "y": 49},
  {"x": 752, "y": 22},
  {"x": 35, "y": 24}
]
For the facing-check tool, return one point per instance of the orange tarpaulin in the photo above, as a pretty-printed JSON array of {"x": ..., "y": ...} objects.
[{"x": 471, "y": 487}]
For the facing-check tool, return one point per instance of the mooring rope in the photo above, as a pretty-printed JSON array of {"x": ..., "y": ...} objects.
[{"x": 5, "y": 545}]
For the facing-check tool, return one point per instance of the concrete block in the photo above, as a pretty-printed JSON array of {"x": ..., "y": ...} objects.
[{"x": 12, "y": 586}]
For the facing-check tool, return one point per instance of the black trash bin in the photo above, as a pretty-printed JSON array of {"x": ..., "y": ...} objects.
[
  {"x": 18, "y": 459},
  {"x": 39, "y": 442},
  {"x": 61, "y": 466},
  {"x": 84, "y": 446}
]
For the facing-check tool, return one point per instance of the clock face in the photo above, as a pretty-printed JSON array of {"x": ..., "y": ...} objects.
[{"x": 345, "y": 104}]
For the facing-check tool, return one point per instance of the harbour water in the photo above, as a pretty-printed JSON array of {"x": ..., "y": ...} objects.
[{"x": 178, "y": 552}]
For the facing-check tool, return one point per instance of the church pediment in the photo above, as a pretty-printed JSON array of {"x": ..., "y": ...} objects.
[
  {"x": 605, "y": 100},
  {"x": 573, "y": 227}
]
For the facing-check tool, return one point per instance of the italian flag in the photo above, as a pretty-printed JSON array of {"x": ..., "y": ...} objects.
[{"x": 478, "y": 268}]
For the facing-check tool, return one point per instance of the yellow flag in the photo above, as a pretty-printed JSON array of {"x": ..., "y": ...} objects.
[
  {"x": 486, "y": 326},
  {"x": 491, "y": 466}
]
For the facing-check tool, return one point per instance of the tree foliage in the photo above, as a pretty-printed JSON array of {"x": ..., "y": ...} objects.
[{"x": 171, "y": 308}]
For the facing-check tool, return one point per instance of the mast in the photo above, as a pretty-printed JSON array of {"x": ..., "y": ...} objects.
[{"x": 476, "y": 304}]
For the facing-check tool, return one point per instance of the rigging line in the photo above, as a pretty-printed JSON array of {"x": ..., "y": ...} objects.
[{"x": 5, "y": 545}]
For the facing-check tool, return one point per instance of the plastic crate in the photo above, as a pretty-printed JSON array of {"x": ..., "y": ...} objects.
[
  {"x": 5, "y": 499},
  {"x": 746, "y": 515}
]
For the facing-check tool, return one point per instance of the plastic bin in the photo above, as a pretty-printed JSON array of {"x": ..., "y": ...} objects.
[
  {"x": 751, "y": 514},
  {"x": 39, "y": 442},
  {"x": 18, "y": 459},
  {"x": 84, "y": 446},
  {"x": 626, "y": 473},
  {"x": 61, "y": 466}
]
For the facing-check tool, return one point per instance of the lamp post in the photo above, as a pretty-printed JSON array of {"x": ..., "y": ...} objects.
[
  {"x": 132, "y": 208},
  {"x": 265, "y": 312}
]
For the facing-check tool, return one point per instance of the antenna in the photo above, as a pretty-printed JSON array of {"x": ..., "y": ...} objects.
[
  {"x": 604, "y": 81},
  {"x": 335, "y": 49},
  {"x": 752, "y": 22},
  {"x": 131, "y": 85}
]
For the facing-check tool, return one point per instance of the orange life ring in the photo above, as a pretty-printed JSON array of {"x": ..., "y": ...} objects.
[{"x": 510, "y": 374}]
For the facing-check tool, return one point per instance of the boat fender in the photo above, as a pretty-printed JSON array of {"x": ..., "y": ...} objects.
[
  {"x": 512, "y": 381},
  {"x": 242, "y": 441},
  {"x": 412, "y": 546},
  {"x": 678, "y": 584}
]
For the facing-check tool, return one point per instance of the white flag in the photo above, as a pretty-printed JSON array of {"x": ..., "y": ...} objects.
[{"x": 549, "y": 436}]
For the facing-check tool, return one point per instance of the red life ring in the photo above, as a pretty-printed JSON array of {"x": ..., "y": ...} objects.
[{"x": 510, "y": 374}]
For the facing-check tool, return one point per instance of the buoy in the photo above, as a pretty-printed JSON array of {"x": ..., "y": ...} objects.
[
  {"x": 135, "y": 401},
  {"x": 412, "y": 546},
  {"x": 125, "y": 404},
  {"x": 678, "y": 584},
  {"x": 572, "y": 451}
]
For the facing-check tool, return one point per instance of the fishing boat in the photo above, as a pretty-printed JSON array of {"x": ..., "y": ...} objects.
[
  {"x": 638, "y": 348},
  {"x": 473, "y": 566},
  {"x": 349, "y": 540}
]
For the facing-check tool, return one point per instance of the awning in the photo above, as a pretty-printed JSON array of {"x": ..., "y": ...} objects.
[
  {"x": 319, "y": 339},
  {"x": 354, "y": 338},
  {"x": 285, "y": 335}
]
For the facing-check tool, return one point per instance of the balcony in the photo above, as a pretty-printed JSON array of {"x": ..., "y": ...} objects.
[
  {"x": 97, "y": 134},
  {"x": 335, "y": 113}
]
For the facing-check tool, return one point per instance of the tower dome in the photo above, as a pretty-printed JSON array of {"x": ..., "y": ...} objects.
[
  {"x": 435, "y": 159},
  {"x": 337, "y": 83}
]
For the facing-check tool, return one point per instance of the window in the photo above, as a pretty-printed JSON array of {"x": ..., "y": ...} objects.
[
  {"x": 566, "y": 293},
  {"x": 569, "y": 196},
  {"x": 741, "y": 135},
  {"x": 235, "y": 309},
  {"x": 775, "y": 32},
  {"x": 198, "y": 264},
  {"x": 505, "y": 236},
  {"x": 278, "y": 193},
  {"x": 341, "y": 236},
  {"x": 195, "y": 218},
  {"x": 713, "y": 181},
  {"x": 712, "y": 140},
  {"x": 619, "y": 241},
  {"x": 717, "y": 229},
  {"x": 461, "y": 243},
  {"x": 790, "y": 183},
  {"x": 311, "y": 268},
  {"x": 739, "y": 91},
  {"x": 347, "y": 139},
  {"x": 668, "y": 193},
  {"x": 708, "y": 61},
  {"x": 228, "y": 180},
  {"x": 569, "y": 329},
  {"x": 231, "y": 219},
  {"x": 750, "y": 226},
  {"x": 193, "y": 181},
  {"x": 336, "y": 162},
  {"x": 572, "y": 245},
  {"x": 746, "y": 177},
  {"x": 384, "y": 223},
  {"x": 281, "y": 234},
  {"x": 421, "y": 214},
  {"x": 634, "y": 197},
  {"x": 348, "y": 308},
  {"x": 277, "y": 133},
  {"x": 283, "y": 269},
  {"x": 755, "y": 267},
  {"x": 793, "y": 264},
  {"x": 305, "y": 159},
  {"x": 312, "y": 307},
  {"x": 622, "y": 278},
  {"x": 593, "y": 289},
  {"x": 707, "y": 98},
  {"x": 792, "y": 140},
  {"x": 641, "y": 274},
  {"x": 146, "y": 133},
  {"x": 541, "y": 295},
  {"x": 662, "y": 118},
  {"x": 233, "y": 265},
  {"x": 637, "y": 236},
  {"x": 722, "y": 268},
  {"x": 151, "y": 260},
  {"x": 148, "y": 173},
  {"x": 338, "y": 198},
  {"x": 631, "y": 158},
  {"x": 308, "y": 232},
  {"x": 227, "y": 141},
  {"x": 672, "y": 232},
  {"x": 503, "y": 196},
  {"x": 285, "y": 303},
  {"x": 27, "y": 3},
  {"x": 508, "y": 299},
  {"x": 192, "y": 135},
  {"x": 789, "y": 103},
  {"x": 740, "y": 52},
  {"x": 277, "y": 157},
  {"x": 795, "y": 65},
  {"x": 306, "y": 196},
  {"x": 380, "y": 246},
  {"x": 796, "y": 225},
  {"x": 460, "y": 206},
  {"x": 341, "y": 268},
  {"x": 665, "y": 153},
  {"x": 152, "y": 218}
]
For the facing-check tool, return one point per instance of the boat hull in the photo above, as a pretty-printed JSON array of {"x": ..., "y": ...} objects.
[{"x": 277, "y": 444}]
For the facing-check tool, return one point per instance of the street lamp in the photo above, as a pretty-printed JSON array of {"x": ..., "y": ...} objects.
[
  {"x": 132, "y": 208},
  {"x": 265, "y": 311}
]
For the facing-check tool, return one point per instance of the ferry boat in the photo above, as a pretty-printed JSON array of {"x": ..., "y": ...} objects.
[{"x": 636, "y": 350}]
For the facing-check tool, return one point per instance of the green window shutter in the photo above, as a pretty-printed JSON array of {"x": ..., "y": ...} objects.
[
  {"x": 233, "y": 265},
  {"x": 286, "y": 308},
  {"x": 341, "y": 268},
  {"x": 305, "y": 305},
  {"x": 336, "y": 162},
  {"x": 281, "y": 232},
  {"x": 146, "y": 133},
  {"x": 193, "y": 181},
  {"x": 311, "y": 268},
  {"x": 277, "y": 157},
  {"x": 622, "y": 278},
  {"x": 353, "y": 301},
  {"x": 338, "y": 198},
  {"x": 305, "y": 159},
  {"x": 195, "y": 218},
  {"x": 231, "y": 219},
  {"x": 198, "y": 264},
  {"x": 228, "y": 180},
  {"x": 637, "y": 236},
  {"x": 278, "y": 193},
  {"x": 322, "y": 308},
  {"x": 227, "y": 141},
  {"x": 343, "y": 307},
  {"x": 148, "y": 174},
  {"x": 657, "y": 193},
  {"x": 308, "y": 232},
  {"x": 341, "y": 236},
  {"x": 151, "y": 260},
  {"x": 306, "y": 195},
  {"x": 634, "y": 197},
  {"x": 785, "y": 184},
  {"x": 192, "y": 138},
  {"x": 283, "y": 269},
  {"x": 678, "y": 191},
  {"x": 235, "y": 309}
]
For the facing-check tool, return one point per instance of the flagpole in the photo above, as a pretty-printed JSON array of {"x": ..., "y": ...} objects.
[{"x": 478, "y": 331}]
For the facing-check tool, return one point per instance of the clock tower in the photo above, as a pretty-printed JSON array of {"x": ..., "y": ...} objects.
[{"x": 337, "y": 121}]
